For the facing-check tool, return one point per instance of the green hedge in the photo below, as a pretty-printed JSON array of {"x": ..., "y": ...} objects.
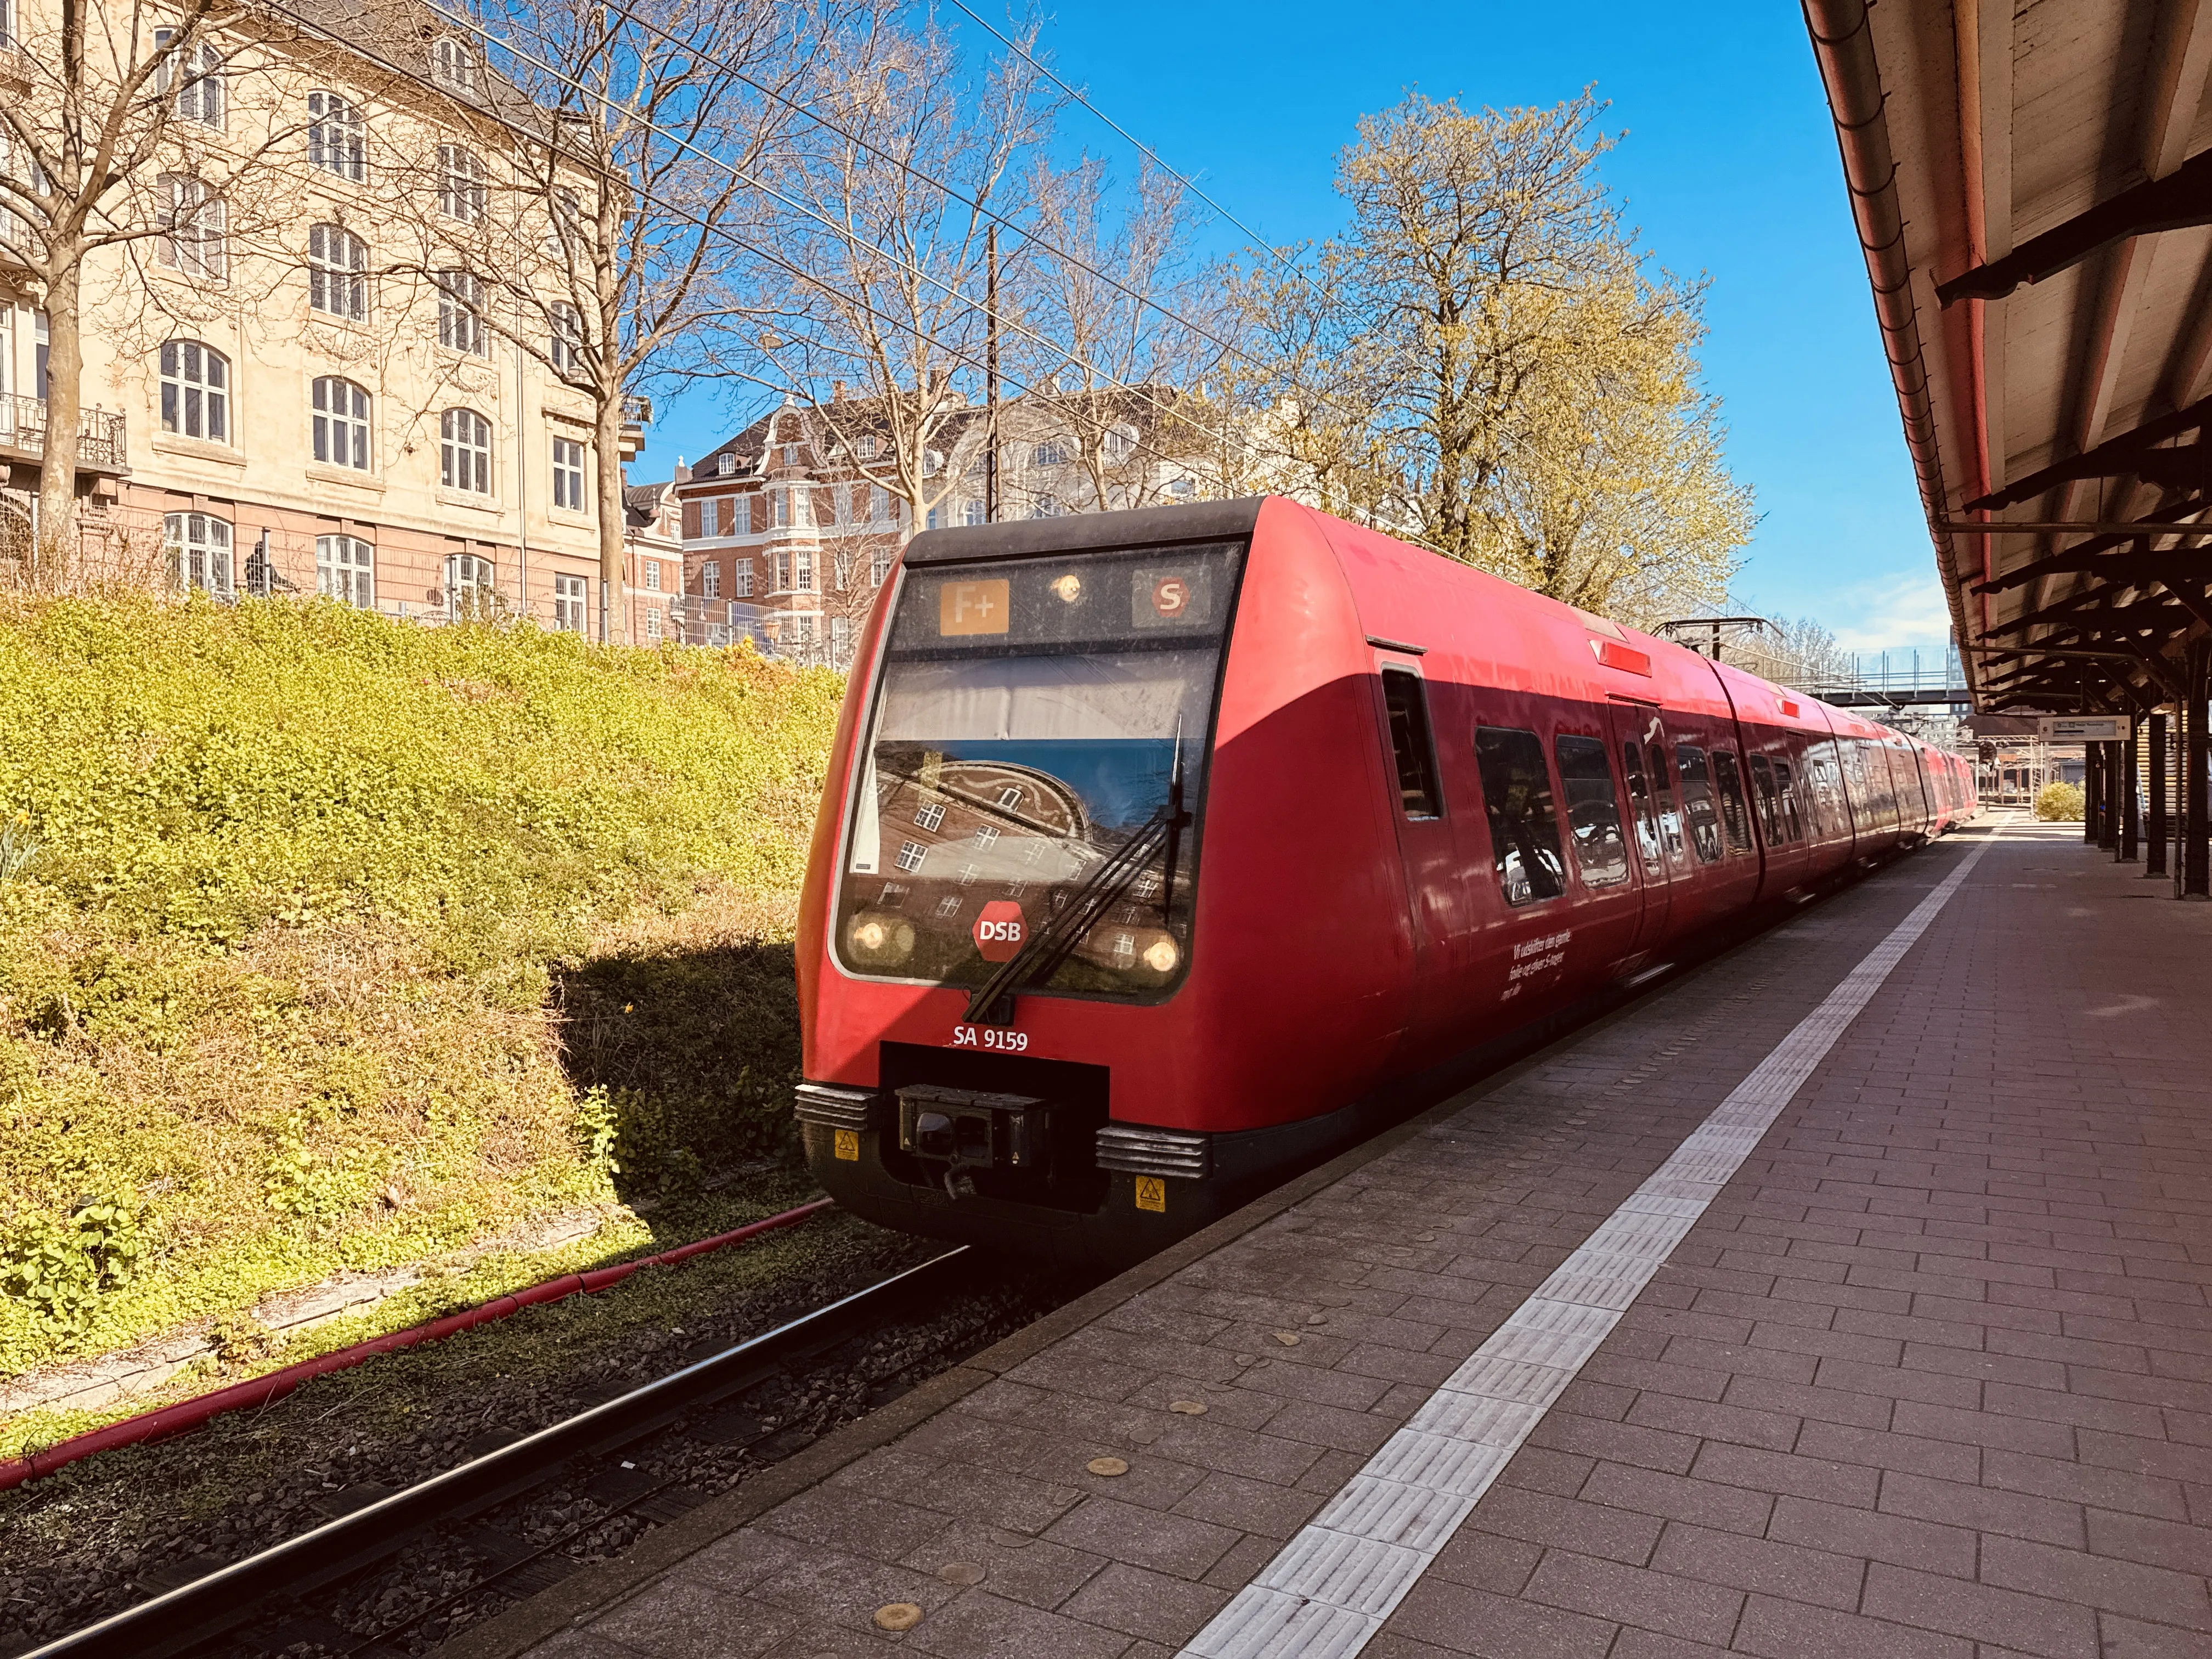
[
  {"x": 301, "y": 911},
  {"x": 2060, "y": 803}
]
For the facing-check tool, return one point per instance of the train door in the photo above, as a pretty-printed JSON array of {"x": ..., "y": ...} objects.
[
  {"x": 1436, "y": 891},
  {"x": 1644, "y": 834},
  {"x": 1919, "y": 807},
  {"x": 1831, "y": 810},
  {"x": 1598, "y": 829},
  {"x": 1676, "y": 876}
]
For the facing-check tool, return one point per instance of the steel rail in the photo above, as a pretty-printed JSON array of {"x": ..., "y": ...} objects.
[{"x": 184, "y": 1619}]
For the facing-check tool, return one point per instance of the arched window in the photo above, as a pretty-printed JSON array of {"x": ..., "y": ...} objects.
[
  {"x": 195, "y": 391},
  {"x": 345, "y": 569},
  {"x": 453, "y": 63},
  {"x": 471, "y": 590},
  {"x": 198, "y": 546},
  {"x": 460, "y": 183},
  {"x": 193, "y": 221},
  {"x": 192, "y": 77},
  {"x": 336, "y": 143},
  {"x": 465, "y": 450},
  {"x": 337, "y": 272},
  {"x": 567, "y": 344},
  {"x": 460, "y": 313},
  {"x": 1120, "y": 443},
  {"x": 341, "y": 423}
]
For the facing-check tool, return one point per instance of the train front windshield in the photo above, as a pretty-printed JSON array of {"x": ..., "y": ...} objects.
[{"x": 1035, "y": 761}]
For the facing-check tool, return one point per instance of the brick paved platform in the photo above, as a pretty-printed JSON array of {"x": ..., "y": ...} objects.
[{"x": 1931, "y": 1376}]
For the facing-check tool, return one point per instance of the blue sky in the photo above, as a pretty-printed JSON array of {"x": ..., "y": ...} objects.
[{"x": 1727, "y": 161}]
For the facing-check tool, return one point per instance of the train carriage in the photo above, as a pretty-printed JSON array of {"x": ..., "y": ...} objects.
[{"x": 1164, "y": 852}]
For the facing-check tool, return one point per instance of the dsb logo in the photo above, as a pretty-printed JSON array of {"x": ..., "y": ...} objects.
[{"x": 999, "y": 931}]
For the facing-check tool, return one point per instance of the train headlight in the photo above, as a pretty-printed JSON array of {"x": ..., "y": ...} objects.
[
  {"x": 1161, "y": 955},
  {"x": 880, "y": 940}
]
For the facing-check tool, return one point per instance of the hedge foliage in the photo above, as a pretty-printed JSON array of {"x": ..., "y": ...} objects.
[
  {"x": 2060, "y": 803},
  {"x": 294, "y": 903}
]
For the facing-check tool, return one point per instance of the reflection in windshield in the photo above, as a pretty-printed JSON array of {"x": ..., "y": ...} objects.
[{"x": 997, "y": 779}]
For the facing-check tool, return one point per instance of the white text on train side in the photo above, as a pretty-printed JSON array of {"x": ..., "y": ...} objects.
[{"x": 1537, "y": 947}]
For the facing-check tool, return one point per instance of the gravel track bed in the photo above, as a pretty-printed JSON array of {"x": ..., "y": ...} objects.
[{"x": 117, "y": 1529}]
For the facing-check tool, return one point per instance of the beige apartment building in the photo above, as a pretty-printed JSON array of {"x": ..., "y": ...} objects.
[{"x": 298, "y": 382}]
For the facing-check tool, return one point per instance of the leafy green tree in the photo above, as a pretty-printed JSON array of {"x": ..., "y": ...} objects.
[{"x": 1515, "y": 385}]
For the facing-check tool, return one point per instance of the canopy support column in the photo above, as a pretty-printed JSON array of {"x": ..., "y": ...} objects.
[
  {"x": 2130, "y": 798},
  {"x": 2092, "y": 793},
  {"x": 2196, "y": 821},
  {"x": 2158, "y": 829}
]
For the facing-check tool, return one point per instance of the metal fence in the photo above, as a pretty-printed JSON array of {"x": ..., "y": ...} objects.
[{"x": 100, "y": 440}]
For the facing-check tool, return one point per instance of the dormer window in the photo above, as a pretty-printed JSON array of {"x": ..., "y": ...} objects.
[
  {"x": 726, "y": 465},
  {"x": 867, "y": 447},
  {"x": 791, "y": 454},
  {"x": 453, "y": 64}
]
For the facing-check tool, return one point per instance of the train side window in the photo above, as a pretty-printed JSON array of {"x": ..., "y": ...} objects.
[
  {"x": 1824, "y": 785},
  {"x": 1735, "y": 817},
  {"x": 1405, "y": 700},
  {"x": 1698, "y": 801},
  {"x": 1882, "y": 794},
  {"x": 1769, "y": 804},
  {"x": 1785, "y": 802},
  {"x": 1524, "y": 823},
  {"x": 1593, "y": 811},
  {"x": 1640, "y": 801},
  {"x": 1670, "y": 817},
  {"x": 1854, "y": 784}
]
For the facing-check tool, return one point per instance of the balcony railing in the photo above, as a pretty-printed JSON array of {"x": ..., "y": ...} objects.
[{"x": 100, "y": 440}]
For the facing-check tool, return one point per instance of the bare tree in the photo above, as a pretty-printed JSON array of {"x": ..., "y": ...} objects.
[
  {"x": 1126, "y": 326},
  {"x": 1307, "y": 384},
  {"x": 628, "y": 140},
  {"x": 879, "y": 276},
  {"x": 140, "y": 124}
]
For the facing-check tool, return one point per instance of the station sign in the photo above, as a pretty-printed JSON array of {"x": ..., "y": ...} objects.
[{"x": 2082, "y": 728}]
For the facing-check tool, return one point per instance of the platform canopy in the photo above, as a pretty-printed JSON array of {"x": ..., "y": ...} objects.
[{"x": 2032, "y": 184}]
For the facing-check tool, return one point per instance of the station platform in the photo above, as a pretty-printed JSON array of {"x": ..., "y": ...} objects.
[{"x": 1847, "y": 1296}]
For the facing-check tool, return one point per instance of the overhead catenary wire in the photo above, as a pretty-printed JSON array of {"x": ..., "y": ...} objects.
[
  {"x": 972, "y": 203},
  {"x": 1066, "y": 355},
  {"x": 684, "y": 143},
  {"x": 1259, "y": 242},
  {"x": 309, "y": 28},
  {"x": 773, "y": 193}
]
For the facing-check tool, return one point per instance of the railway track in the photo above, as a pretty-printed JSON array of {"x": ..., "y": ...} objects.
[{"x": 398, "y": 1572}]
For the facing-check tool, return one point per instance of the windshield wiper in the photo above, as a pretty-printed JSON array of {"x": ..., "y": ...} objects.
[
  {"x": 1047, "y": 946},
  {"x": 1176, "y": 818}
]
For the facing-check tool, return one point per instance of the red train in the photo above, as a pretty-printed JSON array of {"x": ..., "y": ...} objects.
[{"x": 1164, "y": 852}]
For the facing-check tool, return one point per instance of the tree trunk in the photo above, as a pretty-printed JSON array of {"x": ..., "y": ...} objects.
[
  {"x": 55, "y": 544},
  {"x": 606, "y": 448}
]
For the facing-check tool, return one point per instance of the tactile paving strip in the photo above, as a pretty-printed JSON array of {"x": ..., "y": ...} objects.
[{"x": 1331, "y": 1588}]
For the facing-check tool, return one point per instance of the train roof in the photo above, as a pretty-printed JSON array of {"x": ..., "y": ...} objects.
[
  {"x": 1682, "y": 676},
  {"x": 1082, "y": 532}
]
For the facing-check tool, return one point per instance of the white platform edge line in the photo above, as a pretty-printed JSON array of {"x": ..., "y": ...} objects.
[{"x": 1242, "y": 1629}]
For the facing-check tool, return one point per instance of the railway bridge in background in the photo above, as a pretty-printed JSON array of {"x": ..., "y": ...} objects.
[{"x": 1849, "y": 1295}]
